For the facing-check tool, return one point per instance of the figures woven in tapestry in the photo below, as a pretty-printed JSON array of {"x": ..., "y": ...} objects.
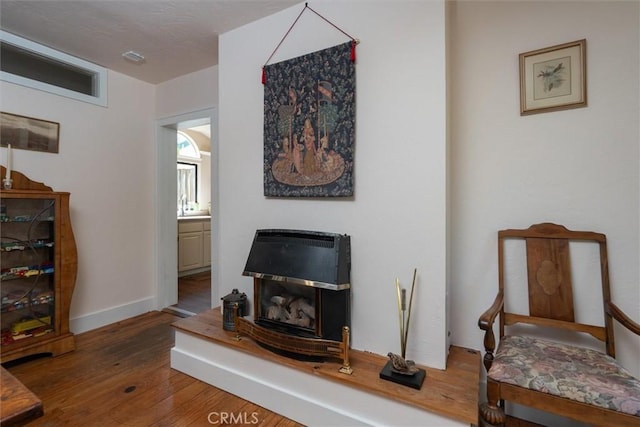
[{"x": 309, "y": 125}]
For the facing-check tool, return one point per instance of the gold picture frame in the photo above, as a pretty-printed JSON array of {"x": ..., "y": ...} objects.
[
  {"x": 27, "y": 133},
  {"x": 553, "y": 78}
]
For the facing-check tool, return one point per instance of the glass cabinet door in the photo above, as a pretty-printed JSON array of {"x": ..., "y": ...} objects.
[{"x": 27, "y": 280}]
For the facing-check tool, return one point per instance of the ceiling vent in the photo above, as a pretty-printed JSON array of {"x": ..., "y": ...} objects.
[
  {"x": 36, "y": 66},
  {"x": 133, "y": 57}
]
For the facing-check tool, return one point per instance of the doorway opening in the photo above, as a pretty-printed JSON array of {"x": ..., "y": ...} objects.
[
  {"x": 187, "y": 238},
  {"x": 193, "y": 204}
]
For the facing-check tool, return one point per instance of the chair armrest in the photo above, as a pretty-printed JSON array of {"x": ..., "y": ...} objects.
[
  {"x": 486, "y": 324},
  {"x": 624, "y": 320},
  {"x": 488, "y": 317}
]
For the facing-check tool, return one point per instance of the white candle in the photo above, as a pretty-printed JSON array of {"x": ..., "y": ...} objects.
[{"x": 8, "y": 175}]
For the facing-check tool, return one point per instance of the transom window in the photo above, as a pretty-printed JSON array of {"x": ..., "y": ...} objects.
[
  {"x": 39, "y": 67},
  {"x": 187, "y": 148}
]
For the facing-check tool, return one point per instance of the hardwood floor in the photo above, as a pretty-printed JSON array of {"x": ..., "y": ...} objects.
[
  {"x": 120, "y": 375},
  {"x": 194, "y": 292}
]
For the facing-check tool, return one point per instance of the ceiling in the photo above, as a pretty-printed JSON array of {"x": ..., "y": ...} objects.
[{"x": 175, "y": 37}]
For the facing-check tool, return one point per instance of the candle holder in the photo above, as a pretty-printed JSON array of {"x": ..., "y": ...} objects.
[{"x": 7, "y": 183}]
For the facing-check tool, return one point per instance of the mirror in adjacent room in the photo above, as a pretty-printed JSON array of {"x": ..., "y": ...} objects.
[
  {"x": 187, "y": 187},
  {"x": 187, "y": 174}
]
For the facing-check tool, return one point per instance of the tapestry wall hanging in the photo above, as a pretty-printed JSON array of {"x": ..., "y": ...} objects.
[{"x": 309, "y": 125}]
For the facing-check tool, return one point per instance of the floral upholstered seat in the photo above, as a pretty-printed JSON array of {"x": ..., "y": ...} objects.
[{"x": 575, "y": 373}]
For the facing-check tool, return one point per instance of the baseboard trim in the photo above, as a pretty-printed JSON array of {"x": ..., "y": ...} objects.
[{"x": 110, "y": 315}]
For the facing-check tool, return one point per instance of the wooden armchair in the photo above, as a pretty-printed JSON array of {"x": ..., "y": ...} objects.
[{"x": 566, "y": 379}]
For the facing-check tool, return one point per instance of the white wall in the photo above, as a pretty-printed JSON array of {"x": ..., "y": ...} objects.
[
  {"x": 397, "y": 218},
  {"x": 185, "y": 94},
  {"x": 578, "y": 167},
  {"x": 204, "y": 186},
  {"x": 104, "y": 162}
]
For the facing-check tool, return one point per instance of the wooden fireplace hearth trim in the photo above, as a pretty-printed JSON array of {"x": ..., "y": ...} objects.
[
  {"x": 290, "y": 343},
  {"x": 453, "y": 392}
]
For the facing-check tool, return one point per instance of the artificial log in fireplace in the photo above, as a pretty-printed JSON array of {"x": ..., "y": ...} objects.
[{"x": 301, "y": 298}]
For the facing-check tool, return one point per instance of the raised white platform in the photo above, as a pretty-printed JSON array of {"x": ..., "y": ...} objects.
[{"x": 315, "y": 393}]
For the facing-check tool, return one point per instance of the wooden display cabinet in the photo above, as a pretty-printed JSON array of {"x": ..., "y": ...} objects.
[{"x": 38, "y": 269}]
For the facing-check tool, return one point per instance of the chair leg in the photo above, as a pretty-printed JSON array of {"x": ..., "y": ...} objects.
[{"x": 490, "y": 412}]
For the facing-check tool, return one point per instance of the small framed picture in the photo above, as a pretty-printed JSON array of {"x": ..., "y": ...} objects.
[
  {"x": 27, "y": 133},
  {"x": 553, "y": 78}
]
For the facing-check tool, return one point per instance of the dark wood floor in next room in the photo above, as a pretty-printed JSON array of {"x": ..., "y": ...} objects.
[{"x": 194, "y": 292}]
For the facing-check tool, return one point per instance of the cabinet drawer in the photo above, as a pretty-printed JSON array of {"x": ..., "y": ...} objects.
[{"x": 189, "y": 226}]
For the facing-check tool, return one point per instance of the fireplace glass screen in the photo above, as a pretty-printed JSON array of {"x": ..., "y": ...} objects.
[{"x": 288, "y": 306}]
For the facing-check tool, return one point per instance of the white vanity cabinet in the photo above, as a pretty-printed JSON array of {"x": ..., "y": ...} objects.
[
  {"x": 194, "y": 244},
  {"x": 206, "y": 244}
]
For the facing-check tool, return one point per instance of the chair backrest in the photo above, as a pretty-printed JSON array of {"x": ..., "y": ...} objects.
[{"x": 549, "y": 280}]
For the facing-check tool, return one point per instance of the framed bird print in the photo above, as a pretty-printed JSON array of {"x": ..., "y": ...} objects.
[{"x": 553, "y": 78}]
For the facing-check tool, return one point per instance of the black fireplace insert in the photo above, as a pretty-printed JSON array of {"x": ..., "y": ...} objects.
[{"x": 301, "y": 282}]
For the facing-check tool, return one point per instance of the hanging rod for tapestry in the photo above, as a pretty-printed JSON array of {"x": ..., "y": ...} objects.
[{"x": 354, "y": 41}]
